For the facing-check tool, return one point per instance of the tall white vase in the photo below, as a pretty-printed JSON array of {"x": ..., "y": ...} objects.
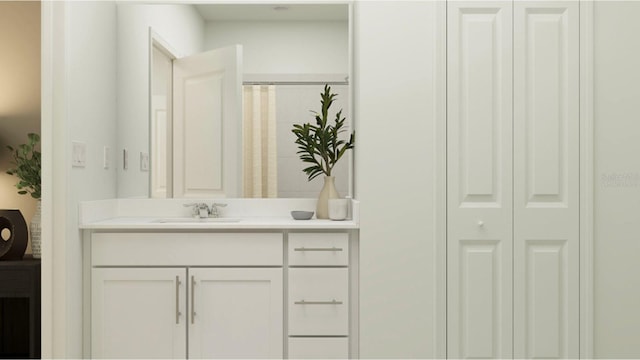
[
  {"x": 35, "y": 232},
  {"x": 328, "y": 192}
]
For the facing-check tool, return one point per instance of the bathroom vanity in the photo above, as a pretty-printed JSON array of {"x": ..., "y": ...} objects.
[{"x": 255, "y": 286}]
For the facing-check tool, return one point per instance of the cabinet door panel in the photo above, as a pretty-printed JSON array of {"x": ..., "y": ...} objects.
[
  {"x": 138, "y": 313},
  {"x": 235, "y": 313},
  {"x": 479, "y": 173},
  {"x": 546, "y": 179}
]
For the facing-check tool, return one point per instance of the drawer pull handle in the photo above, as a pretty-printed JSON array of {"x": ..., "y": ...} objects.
[
  {"x": 178, "y": 313},
  {"x": 317, "y": 249},
  {"x": 332, "y": 302}
]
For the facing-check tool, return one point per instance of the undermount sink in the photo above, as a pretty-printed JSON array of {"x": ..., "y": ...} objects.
[{"x": 195, "y": 220}]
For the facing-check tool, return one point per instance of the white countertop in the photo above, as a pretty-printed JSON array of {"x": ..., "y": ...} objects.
[
  {"x": 253, "y": 214},
  {"x": 246, "y": 223}
]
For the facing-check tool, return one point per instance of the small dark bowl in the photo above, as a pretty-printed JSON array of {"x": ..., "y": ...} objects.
[{"x": 302, "y": 215}]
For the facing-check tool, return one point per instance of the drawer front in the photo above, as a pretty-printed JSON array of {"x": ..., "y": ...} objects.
[
  {"x": 186, "y": 249},
  {"x": 319, "y": 249},
  {"x": 319, "y": 348},
  {"x": 318, "y": 301}
]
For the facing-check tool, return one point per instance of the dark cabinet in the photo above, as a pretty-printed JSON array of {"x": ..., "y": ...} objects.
[{"x": 20, "y": 309}]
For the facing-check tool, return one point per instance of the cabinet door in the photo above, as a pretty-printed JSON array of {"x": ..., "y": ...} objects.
[
  {"x": 235, "y": 313},
  {"x": 138, "y": 313},
  {"x": 546, "y": 179},
  {"x": 479, "y": 172}
]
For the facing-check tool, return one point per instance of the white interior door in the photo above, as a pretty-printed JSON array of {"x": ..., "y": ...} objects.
[
  {"x": 236, "y": 313},
  {"x": 207, "y": 120},
  {"x": 138, "y": 313},
  {"x": 546, "y": 179},
  {"x": 479, "y": 186}
]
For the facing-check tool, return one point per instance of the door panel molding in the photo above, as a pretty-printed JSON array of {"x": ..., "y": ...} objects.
[
  {"x": 479, "y": 173},
  {"x": 546, "y": 177}
]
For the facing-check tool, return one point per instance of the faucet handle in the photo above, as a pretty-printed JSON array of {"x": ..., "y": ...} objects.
[
  {"x": 194, "y": 206},
  {"x": 214, "y": 209}
]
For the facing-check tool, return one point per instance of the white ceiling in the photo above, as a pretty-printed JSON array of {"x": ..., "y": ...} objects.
[{"x": 285, "y": 12}]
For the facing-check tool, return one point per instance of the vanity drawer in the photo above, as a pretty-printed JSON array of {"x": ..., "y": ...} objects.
[
  {"x": 186, "y": 249},
  {"x": 318, "y": 249},
  {"x": 318, "y": 301},
  {"x": 319, "y": 348}
]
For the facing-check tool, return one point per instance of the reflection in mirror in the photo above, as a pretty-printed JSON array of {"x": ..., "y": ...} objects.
[
  {"x": 286, "y": 57},
  {"x": 271, "y": 166},
  {"x": 160, "y": 119}
]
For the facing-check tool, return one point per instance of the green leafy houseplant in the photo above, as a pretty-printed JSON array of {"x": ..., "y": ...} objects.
[
  {"x": 26, "y": 161},
  {"x": 319, "y": 144}
]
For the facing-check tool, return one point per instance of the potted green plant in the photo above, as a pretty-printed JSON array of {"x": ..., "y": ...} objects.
[
  {"x": 320, "y": 146},
  {"x": 26, "y": 161}
]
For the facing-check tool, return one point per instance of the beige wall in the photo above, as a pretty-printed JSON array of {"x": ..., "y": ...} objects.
[{"x": 19, "y": 91}]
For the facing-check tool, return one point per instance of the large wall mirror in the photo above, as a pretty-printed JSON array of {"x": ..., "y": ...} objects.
[{"x": 221, "y": 86}]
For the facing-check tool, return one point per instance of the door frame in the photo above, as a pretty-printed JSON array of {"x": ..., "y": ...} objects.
[
  {"x": 587, "y": 177},
  {"x": 157, "y": 42}
]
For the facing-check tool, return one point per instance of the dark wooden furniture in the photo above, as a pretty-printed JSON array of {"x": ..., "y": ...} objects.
[{"x": 20, "y": 308}]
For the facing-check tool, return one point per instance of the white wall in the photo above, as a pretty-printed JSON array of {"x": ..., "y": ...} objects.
[
  {"x": 183, "y": 29},
  {"x": 312, "y": 47},
  {"x": 617, "y": 180},
  {"x": 19, "y": 93},
  {"x": 84, "y": 109},
  {"x": 396, "y": 111}
]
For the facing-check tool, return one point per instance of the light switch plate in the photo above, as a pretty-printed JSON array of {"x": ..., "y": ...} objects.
[
  {"x": 78, "y": 154},
  {"x": 144, "y": 161}
]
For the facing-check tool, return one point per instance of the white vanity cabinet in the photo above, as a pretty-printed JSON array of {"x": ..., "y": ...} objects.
[
  {"x": 272, "y": 293},
  {"x": 179, "y": 295}
]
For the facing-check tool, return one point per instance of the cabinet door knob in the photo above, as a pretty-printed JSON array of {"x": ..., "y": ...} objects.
[{"x": 480, "y": 223}]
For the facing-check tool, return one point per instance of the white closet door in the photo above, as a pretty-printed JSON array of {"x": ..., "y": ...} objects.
[
  {"x": 546, "y": 179},
  {"x": 479, "y": 171}
]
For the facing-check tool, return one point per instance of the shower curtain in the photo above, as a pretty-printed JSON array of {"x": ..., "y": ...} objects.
[{"x": 259, "y": 139}]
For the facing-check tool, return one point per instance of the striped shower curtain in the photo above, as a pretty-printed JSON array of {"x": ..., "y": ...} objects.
[{"x": 259, "y": 142}]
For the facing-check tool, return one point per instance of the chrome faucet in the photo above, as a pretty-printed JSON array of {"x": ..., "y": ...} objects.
[{"x": 202, "y": 210}]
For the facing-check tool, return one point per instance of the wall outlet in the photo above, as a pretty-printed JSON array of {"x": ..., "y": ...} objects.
[
  {"x": 78, "y": 154},
  {"x": 144, "y": 161},
  {"x": 106, "y": 161}
]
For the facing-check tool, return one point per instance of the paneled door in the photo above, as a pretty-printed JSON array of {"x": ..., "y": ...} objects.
[
  {"x": 513, "y": 179},
  {"x": 546, "y": 179},
  {"x": 207, "y": 118},
  {"x": 235, "y": 313},
  {"x": 138, "y": 313},
  {"x": 479, "y": 185}
]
